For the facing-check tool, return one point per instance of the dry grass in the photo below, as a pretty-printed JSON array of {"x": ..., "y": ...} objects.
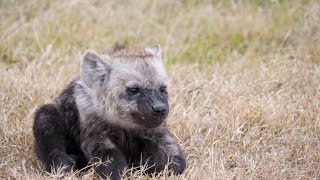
[{"x": 245, "y": 77}]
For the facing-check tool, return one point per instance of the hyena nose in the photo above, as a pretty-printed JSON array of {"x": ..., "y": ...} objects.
[{"x": 159, "y": 110}]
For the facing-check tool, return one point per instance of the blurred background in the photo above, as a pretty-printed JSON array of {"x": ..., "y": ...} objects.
[
  {"x": 189, "y": 31},
  {"x": 245, "y": 75}
]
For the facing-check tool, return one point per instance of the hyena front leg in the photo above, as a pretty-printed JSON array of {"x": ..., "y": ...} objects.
[
  {"x": 161, "y": 151},
  {"x": 107, "y": 159},
  {"x": 49, "y": 136}
]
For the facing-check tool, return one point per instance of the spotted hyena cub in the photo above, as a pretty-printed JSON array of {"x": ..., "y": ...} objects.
[{"x": 114, "y": 116}]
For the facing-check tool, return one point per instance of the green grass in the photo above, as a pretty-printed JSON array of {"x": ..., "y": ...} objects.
[{"x": 245, "y": 78}]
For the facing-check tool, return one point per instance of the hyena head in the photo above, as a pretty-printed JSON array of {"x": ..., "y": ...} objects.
[{"x": 128, "y": 87}]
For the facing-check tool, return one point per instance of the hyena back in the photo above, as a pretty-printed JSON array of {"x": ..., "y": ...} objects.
[{"x": 113, "y": 116}]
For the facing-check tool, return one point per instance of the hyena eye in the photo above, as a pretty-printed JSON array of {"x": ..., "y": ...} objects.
[
  {"x": 133, "y": 90},
  {"x": 163, "y": 89}
]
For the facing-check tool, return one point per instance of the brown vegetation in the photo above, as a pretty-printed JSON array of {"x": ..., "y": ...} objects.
[{"x": 245, "y": 78}]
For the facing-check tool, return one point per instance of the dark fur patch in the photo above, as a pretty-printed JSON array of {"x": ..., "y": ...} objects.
[
  {"x": 56, "y": 130},
  {"x": 117, "y": 47}
]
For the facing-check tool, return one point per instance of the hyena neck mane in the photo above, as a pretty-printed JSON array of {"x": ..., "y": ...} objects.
[
  {"x": 122, "y": 51},
  {"x": 125, "y": 87}
]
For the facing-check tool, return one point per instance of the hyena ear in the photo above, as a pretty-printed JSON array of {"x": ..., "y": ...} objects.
[
  {"x": 94, "y": 68},
  {"x": 155, "y": 50}
]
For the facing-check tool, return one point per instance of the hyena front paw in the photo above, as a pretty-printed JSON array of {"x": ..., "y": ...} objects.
[
  {"x": 61, "y": 162},
  {"x": 177, "y": 165},
  {"x": 112, "y": 170}
]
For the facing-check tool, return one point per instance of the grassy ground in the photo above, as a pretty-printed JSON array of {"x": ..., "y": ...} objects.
[{"x": 245, "y": 77}]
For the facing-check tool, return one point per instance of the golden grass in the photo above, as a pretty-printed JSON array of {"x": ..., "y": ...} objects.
[{"x": 245, "y": 78}]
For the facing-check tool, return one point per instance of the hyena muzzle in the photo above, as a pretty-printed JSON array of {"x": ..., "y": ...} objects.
[{"x": 113, "y": 116}]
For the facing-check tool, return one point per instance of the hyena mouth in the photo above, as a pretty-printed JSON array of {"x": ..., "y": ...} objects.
[{"x": 148, "y": 121}]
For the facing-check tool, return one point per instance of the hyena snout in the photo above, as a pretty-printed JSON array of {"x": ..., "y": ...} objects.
[
  {"x": 159, "y": 109},
  {"x": 152, "y": 115}
]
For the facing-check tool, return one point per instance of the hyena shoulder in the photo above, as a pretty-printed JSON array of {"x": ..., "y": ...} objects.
[{"x": 68, "y": 109}]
